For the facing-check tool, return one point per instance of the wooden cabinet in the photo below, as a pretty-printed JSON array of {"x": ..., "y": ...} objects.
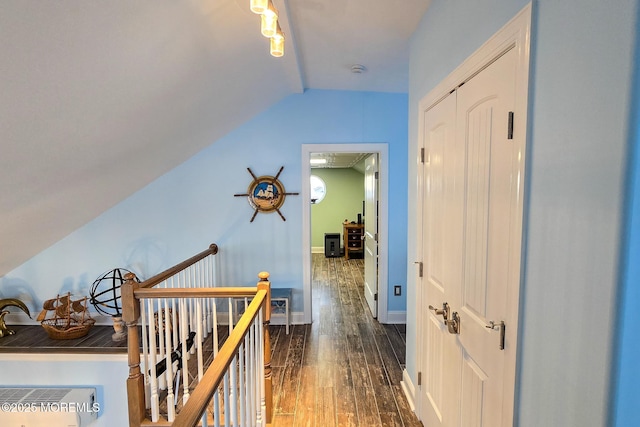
[{"x": 352, "y": 235}]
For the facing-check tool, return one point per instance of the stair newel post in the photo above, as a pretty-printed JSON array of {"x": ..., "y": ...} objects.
[
  {"x": 135, "y": 382},
  {"x": 264, "y": 284}
]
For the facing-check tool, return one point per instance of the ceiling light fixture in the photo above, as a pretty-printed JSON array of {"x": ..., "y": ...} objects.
[
  {"x": 277, "y": 43},
  {"x": 269, "y": 25},
  {"x": 317, "y": 161},
  {"x": 269, "y": 21},
  {"x": 259, "y": 6}
]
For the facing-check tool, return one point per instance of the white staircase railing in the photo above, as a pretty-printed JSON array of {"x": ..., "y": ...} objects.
[{"x": 201, "y": 362}]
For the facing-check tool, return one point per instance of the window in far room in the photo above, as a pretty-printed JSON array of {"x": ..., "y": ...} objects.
[{"x": 318, "y": 189}]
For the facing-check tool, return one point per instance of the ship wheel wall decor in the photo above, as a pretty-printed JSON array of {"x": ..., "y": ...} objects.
[{"x": 266, "y": 194}]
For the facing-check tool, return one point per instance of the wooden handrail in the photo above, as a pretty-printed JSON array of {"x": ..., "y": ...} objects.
[
  {"x": 160, "y": 277},
  {"x": 132, "y": 292},
  {"x": 130, "y": 316},
  {"x": 194, "y": 292},
  {"x": 196, "y": 405}
]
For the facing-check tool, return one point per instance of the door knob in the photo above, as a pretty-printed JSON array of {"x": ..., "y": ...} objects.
[
  {"x": 453, "y": 324},
  {"x": 444, "y": 311}
]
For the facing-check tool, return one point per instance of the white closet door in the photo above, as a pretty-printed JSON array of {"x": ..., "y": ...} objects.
[
  {"x": 443, "y": 192},
  {"x": 470, "y": 217}
]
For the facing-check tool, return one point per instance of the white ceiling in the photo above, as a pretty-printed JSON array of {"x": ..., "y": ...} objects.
[
  {"x": 95, "y": 94},
  {"x": 336, "y": 160}
]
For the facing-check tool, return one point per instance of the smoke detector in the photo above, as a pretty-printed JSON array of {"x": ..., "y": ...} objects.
[{"x": 358, "y": 69}]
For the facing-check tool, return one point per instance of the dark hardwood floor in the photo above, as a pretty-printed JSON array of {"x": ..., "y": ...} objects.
[{"x": 345, "y": 368}]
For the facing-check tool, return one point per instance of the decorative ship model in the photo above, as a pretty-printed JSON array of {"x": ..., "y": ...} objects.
[{"x": 64, "y": 318}]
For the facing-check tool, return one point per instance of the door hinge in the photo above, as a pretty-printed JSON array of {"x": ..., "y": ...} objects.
[
  {"x": 375, "y": 296},
  {"x": 375, "y": 175},
  {"x": 510, "y": 128},
  {"x": 419, "y": 268},
  {"x": 422, "y": 155},
  {"x": 419, "y": 378}
]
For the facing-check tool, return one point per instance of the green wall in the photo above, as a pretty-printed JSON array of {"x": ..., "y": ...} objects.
[{"x": 343, "y": 200}]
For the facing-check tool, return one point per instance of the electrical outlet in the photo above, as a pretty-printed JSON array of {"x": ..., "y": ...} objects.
[{"x": 397, "y": 290}]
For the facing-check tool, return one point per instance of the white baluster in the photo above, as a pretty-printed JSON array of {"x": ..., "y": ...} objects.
[
  {"x": 199, "y": 339},
  {"x": 260, "y": 361},
  {"x": 159, "y": 324},
  {"x": 171, "y": 400},
  {"x": 230, "y": 301},
  {"x": 145, "y": 354},
  {"x": 233, "y": 393},
  {"x": 192, "y": 309},
  {"x": 216, "y": 408},
  {"x": 241, "y": 382},
  {"x": 227, "y": 400},
  {"x": 252, "y": 373},
  {"x": 184, "y": 352},
  {"x": 155, "y": 409}
]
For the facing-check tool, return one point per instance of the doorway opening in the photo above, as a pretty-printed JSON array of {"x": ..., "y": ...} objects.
[{"x": 380, "y": 150}]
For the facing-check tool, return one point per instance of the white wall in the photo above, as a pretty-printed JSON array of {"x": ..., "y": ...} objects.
[
  {"x": 579, "y": 109},
  {"x": 107, "y": 373}
]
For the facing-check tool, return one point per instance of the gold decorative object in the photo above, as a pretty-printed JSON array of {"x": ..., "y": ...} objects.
[
  {"x": 64, "y": 318},
  {"x": 266, "y": 194},
  {"x": 10, "y": 302}
]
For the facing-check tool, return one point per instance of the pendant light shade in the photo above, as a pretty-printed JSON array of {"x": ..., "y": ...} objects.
[
  {"x": 269, "y": 21},
  {"x": 269, "y": 25},
  {"x": 277, "y": 43},
  {"x": 259, "y": 6}
]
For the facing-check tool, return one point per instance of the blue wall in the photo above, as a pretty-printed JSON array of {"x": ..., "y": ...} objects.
[
  {"x": 185, "y": 210},
  {"x": 626, "y": 401},
  {"x": 581, "y": 70}
]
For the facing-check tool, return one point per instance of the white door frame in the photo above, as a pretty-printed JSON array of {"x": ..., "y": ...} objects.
[
  {"x": 383, "y": 227},
  {"x": 370, "y": 244},
  {"x": 515, "y": 34}
]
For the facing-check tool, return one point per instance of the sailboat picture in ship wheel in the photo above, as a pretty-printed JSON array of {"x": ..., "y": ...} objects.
[{"x": 266, "y": 194}]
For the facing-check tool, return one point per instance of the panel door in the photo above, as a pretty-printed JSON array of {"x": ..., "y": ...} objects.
[
  {"x": 371, "y": 233},
  {"x": 443, "y": 194},
  {"x": 470, "y": 245},
  {"x": 489, "y": 249}
]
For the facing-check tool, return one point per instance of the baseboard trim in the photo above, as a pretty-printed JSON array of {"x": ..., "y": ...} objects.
[
  {"x": 397, "y": 317},
  {"x": 408, "y": 389},
  {"x": 317, "y": 249},
  {"x": 297, "y": 318}
]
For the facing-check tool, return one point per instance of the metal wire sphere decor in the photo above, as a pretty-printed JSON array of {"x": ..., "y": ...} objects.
[{"x": 105, "y": 292}]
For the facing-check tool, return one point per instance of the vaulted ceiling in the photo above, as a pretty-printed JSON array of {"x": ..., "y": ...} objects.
[{"x": 99, "y": 98}]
